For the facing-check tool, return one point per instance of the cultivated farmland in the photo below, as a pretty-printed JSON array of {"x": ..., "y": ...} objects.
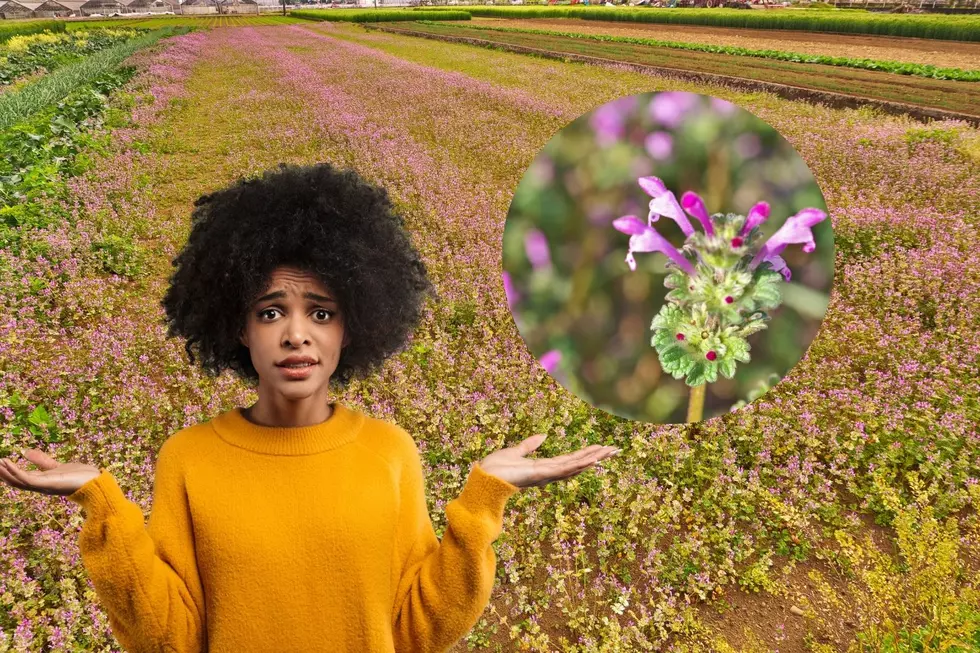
[{"x": 850, "y": 487}]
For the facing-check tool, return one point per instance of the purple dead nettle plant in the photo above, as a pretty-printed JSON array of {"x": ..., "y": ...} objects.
[{"x": 720, "y": 289}]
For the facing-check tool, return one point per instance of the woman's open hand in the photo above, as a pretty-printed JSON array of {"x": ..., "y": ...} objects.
[
  {"x": 511, "y": 465},
  {"x": 54, "y": 477}
]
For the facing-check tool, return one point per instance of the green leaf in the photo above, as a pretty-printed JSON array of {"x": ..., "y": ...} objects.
[
  {"x": 695, "y": 376},
  {"x": 727, "y": 368},
  {"x": 663, "y": 338},
  {"x": 668, "y": 318},
  {"x": 766, "y": 297},
  {"x": 40, "y": 416},
  {"x": 676, "y": 367},
  {"x": 678, "y": 295},
  {"x": 736, "y": 348},
  {"x": 765, "y": 290},
  {"x": 672, "y": 353},
  {"x": 710, "y": 372},
  {"x": 752, "y": 327}
]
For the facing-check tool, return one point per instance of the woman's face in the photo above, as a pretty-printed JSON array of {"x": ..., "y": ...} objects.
[{"x": 295, "y": 316}]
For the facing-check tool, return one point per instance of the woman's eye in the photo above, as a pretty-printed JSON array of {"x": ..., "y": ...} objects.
[{"x": 326, "y": 314}]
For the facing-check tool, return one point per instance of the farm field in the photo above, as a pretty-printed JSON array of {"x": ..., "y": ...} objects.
[
  {"x": 848, "y": 492},
  {"x": 956, "y": 96},
  {"x": 946, "y": 54},
  {"x": 956, "y": 27},
  {"x": 207, "y": 22}
]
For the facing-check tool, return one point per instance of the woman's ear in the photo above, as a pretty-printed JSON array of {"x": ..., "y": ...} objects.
[{"x": 243, "y": 338}]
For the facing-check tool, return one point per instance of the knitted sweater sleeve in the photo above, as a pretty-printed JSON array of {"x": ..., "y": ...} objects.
[
  {"x": 445, "y": 586},
  {"x": 146, "y": 578}
]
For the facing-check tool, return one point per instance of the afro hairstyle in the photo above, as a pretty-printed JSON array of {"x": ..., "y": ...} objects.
[{"x": 320, "y": 219}]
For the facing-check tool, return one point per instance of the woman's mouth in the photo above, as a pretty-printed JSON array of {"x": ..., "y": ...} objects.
[{"x": 301, "y": 371}]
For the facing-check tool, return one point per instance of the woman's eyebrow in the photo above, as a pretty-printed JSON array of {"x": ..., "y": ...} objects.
[{"x": 279, "y": 294}]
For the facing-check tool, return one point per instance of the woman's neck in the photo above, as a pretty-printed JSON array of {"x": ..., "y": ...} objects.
[{"x": 260, "y": 419}]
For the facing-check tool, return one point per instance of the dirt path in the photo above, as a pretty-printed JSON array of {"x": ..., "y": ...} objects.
[{"x": 949, "y": 54}]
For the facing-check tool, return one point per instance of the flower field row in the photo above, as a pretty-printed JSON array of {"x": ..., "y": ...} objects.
[
  {"x": 919, "y": 70},
  {"x": 56, "y": 281},
  {"x": 879, "y": 417}
]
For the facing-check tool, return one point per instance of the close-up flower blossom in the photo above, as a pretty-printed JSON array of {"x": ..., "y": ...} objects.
[{"x": 719, "y": 298}]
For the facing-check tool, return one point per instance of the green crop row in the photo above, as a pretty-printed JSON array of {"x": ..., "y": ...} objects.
[
  {"x": 19, "y": 105},
  {"x": 920, "y": 70},
  {"x": 8, "y": 31},
  {"x": 929, "y": 26},
  {"x": 42, "y": 151},
  {"x": 46, "y": 52},
  {"x": 377, "y": 15}
]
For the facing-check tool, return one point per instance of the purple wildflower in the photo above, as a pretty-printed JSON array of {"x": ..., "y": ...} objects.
[
  {"x": 757, "y": 215},
  {"x": 664, "y": 203},
  {"x": 550, "y": 360},
  {"x": 669, "y": 108},
  {"x": 608, "y": 121},
  {"x": 694, "y": 205},
  {"x": 536, "y": 246},
  {"x": 659, "y": 145},
  {"x": 644, "y": 238},
  {"x": 796, "y": 229}
]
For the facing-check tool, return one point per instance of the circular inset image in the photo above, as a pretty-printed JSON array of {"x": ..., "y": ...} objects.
[{"x": 668, "y": 257}]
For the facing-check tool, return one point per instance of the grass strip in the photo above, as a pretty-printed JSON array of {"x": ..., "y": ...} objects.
[
  {"x": 11, "y": 30},
  {"x": 947, "y": 27},
  {"x": 18, "y": 106},
  {"x": 899, "y": 68},
  {"x": 377, "y": 15}
]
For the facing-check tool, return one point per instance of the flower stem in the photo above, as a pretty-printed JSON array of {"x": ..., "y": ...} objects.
[{"x": 695, "y": 405}]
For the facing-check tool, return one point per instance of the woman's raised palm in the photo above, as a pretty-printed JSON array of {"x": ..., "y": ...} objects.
[{"x": 53, "y": 477}]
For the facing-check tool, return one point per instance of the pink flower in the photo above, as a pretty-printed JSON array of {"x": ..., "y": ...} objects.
[
  {"x": 536, "y": 247},
  {"x": 608, "y": 121},
  {"x": 644, "y": 238},
  {"x": 550, "y": 360},
  {"x": 757, "y": 215},
  {"x": 659, "y": 145},
  {"x": 796, "y": 229},
  {"x": 670, "y": 108},
  {"x": 694, "y": 205},
  {"x": 664, "y": 203}
]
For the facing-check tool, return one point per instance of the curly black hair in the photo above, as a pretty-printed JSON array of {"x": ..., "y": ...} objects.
[{"x": 323, "y": 220}]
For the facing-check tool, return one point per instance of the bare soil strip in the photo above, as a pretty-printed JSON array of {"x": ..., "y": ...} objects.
[
  {"x": 946, "y": 54},
  {"x": 919, "y": 97}
]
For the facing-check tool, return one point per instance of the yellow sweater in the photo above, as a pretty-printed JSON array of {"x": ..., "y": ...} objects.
[{"x": 284, "y": 540}]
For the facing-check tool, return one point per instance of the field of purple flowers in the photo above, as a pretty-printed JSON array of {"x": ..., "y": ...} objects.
[{"x": 873, "y": 433}]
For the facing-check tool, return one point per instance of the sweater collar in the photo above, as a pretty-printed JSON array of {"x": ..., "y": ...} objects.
[{"x": 342, "y": 427}]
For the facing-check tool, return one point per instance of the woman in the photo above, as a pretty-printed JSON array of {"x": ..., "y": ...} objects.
[{"x": 297, "y": 523}]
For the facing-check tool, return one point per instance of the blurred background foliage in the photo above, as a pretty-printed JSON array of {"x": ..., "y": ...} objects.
[{"x": 573, "y": 291}]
